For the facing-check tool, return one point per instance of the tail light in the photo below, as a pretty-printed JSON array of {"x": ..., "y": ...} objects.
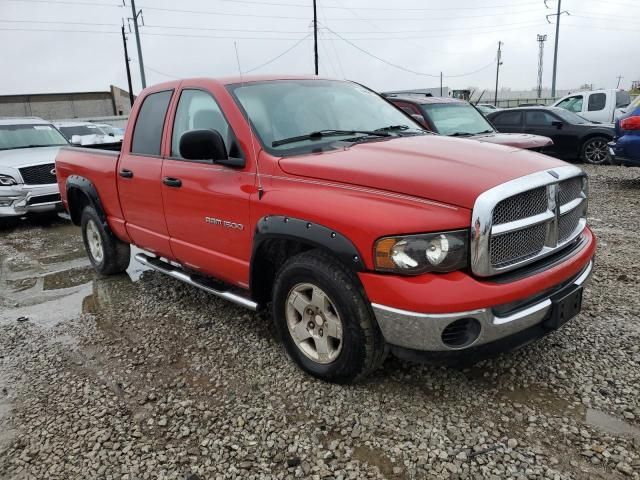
[{"x": 630, "y": 123}]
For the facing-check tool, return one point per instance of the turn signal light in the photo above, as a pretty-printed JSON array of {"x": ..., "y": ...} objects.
[{"x": 631, "y": 123}]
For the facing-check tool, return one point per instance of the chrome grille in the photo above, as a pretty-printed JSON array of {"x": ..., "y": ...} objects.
[
  {"x": 526, "y": 219},
  {"x": 39, "y": 174},
  {"x": 525, "y": 204},
  {"x": 510, "y": 248},
  {"x": 570, "y": 190},
  {"x": 568, "y": 224}
]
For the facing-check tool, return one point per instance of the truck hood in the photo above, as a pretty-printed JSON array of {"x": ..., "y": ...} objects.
[
  {"x": 447, "y": 170},
  {"x": 518, "y": 140},
  {"x": 21, "y": 157}
]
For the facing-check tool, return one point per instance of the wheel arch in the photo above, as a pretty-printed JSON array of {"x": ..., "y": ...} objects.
[
  {"x": 80, "y": 193},
  {"x": 278, "y": 238},
  {"x": 592, "y": 135}
]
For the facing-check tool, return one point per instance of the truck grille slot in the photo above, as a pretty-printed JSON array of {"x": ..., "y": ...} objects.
[
  {"x": 568, "y": 224},
  {"x": 39, "y": 174},
  {"x": 527, "y": 219},
  {"x": 510, "y": 248},
  {"x": 526, "y": 204}
]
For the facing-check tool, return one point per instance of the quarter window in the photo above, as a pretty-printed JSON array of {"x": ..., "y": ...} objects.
[
  {"x": 597, "y": 101},
  {"x": 508, "y": 118},
  {"x": 147, "y": 135},
  {"x": 198, "y": 110}
]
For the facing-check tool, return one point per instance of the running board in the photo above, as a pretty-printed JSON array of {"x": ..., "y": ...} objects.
[{"x": 177, "y": 273}]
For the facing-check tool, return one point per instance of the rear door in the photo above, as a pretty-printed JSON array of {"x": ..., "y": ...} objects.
[
  {"x": 139, "y": 176},
  {"x": 207, "y": 205},
  {"x": 509, "y": 121}
]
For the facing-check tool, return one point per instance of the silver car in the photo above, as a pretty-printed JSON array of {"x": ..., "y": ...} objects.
[{"x": 28, "y": 148}]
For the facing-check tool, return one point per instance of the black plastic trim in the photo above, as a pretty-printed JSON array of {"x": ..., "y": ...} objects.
[
  {"x": 90, "y": 191},
  {"x": 278, "y": 226}
]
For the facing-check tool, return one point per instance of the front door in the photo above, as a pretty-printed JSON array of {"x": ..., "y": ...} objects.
[
  {"x": 207, "y": 205},
  {"x": 139, "y": 177},
  {"x": 540, "y": 122}
]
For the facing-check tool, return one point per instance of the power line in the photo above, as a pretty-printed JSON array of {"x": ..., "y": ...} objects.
[
  {"x": 279, "y": 55},
  {"x": 64, "y": 2},
  {"x": 400, "y": 67}
]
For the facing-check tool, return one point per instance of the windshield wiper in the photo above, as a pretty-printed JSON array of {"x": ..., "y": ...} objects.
[
  {"x": 327, "y": 133},
  {"x": 462, "y": 134},
  {"x": 39, "y": 146},
  {"x": 485, "y": 131},
  {"x": 392, "y": 128}
]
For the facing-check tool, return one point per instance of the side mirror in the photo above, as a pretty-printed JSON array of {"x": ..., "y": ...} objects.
[
  {"x": 558, "y": 124},
  {"x": 419, "y": 118},
  {"x": 208, "y": 145}
]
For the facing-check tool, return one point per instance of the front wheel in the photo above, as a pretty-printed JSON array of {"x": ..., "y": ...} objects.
[
  {"x": 107, "y": 254},
  {"x": 324, "y": 320},
  {"x": 596, "y": 151}
]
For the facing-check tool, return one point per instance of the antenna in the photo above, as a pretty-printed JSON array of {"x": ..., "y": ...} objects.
[{"x": 253, "y": 146}]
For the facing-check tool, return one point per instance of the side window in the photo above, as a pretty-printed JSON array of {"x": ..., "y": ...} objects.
[
  {"x": 413, "y": 111},
  {"x": 508, "y": 119},
  {"x": 538, "y": 119},
  {"x": 198, "y": 110},
  {"x": 597, "y": 101},
  {"x": 147, "y": 133},
  {"x": 573, "y": 104},
  {"x": 623, "y": 99}
]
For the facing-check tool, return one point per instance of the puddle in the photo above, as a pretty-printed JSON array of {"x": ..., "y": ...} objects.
[
  {"x": 610, "y": 424},
  {"x": 68, "y": 278},
  {"x": 545, "y": 400}
]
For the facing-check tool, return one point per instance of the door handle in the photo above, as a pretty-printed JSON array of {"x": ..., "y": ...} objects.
[
  {"x": 124, "y": 173},
  {"x": 172, "y": 182}
]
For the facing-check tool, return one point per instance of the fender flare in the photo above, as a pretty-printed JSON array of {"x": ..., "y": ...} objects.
[
  {"x": 76, "y": 182},
  {"x": 309, "y": 233}
]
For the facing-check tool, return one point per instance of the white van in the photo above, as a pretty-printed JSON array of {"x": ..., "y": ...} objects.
[{"x": 602, "y": 106}]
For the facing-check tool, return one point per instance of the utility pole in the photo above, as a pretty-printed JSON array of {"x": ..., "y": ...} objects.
[
  {"x": 555, "y": 52},
  {"x": 315, "y": 35},
  {"x": 126, "y": 62},
  {"x": 541, "y": 40},
  {"x": 440, "y": 83},
  {"x": 620, "y": 77},
  {"x": 135, "y": 14},
  {"x": 495, "y": 99}
]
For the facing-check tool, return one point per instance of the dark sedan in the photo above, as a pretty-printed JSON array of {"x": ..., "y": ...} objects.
[{"x": 573, "y": 136}]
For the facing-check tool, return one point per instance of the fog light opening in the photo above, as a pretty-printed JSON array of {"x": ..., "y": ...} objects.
[{"x": 461, "y": 333}]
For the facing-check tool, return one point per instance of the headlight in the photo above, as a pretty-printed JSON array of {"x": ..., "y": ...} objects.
[
  {"x": 430, "y": 252},
  {"x": 7, "y": 181}
]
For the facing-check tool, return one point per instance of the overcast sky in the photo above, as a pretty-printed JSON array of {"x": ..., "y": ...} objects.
[{"x": 598, "y": 42}]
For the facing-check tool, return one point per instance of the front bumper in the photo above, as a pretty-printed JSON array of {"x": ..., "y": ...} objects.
[
  {"x": 424, "y": 331},
  {"x": 24, "y": 199}
]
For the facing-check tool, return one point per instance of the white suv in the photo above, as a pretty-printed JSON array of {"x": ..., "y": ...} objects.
[{"x": 28, "y": 148}]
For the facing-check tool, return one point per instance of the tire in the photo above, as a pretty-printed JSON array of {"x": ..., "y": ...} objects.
[
  {"x": 595, "y": 151},
  {"x": 329, "y": 295},
  {"x": 107, "y": 254}
]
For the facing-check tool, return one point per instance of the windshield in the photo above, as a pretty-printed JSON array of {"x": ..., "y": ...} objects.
[
  {"x": 457, "y": 118},
  {"x": 80, "y": 130},
  {"x": 570, "y": 117},
  {"x": 29, "y": 135},
  {"x": 286, "y": 109}
]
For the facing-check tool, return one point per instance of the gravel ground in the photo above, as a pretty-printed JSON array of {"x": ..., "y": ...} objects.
[{"x": 120, "y": 379}]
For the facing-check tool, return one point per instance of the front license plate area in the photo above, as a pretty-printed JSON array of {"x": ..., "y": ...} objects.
[{"x": 565, "y": 306}]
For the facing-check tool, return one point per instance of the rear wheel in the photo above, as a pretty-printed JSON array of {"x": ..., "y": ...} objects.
[
  {"x": 324, "y": 320},
  {"x": 596, "y": 151},
  {"x": 107, "y": 254}
]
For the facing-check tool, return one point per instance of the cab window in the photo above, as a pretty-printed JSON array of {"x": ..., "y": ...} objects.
[
  {"x": 573, "y": 104},
  {"x": 198, "y": 110},
  {"x": 597, "y": 101},
  {"x": 147, "y": 134}
]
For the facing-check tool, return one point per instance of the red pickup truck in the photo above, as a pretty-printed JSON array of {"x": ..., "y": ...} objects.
[{"x": 362, "y": 232}]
